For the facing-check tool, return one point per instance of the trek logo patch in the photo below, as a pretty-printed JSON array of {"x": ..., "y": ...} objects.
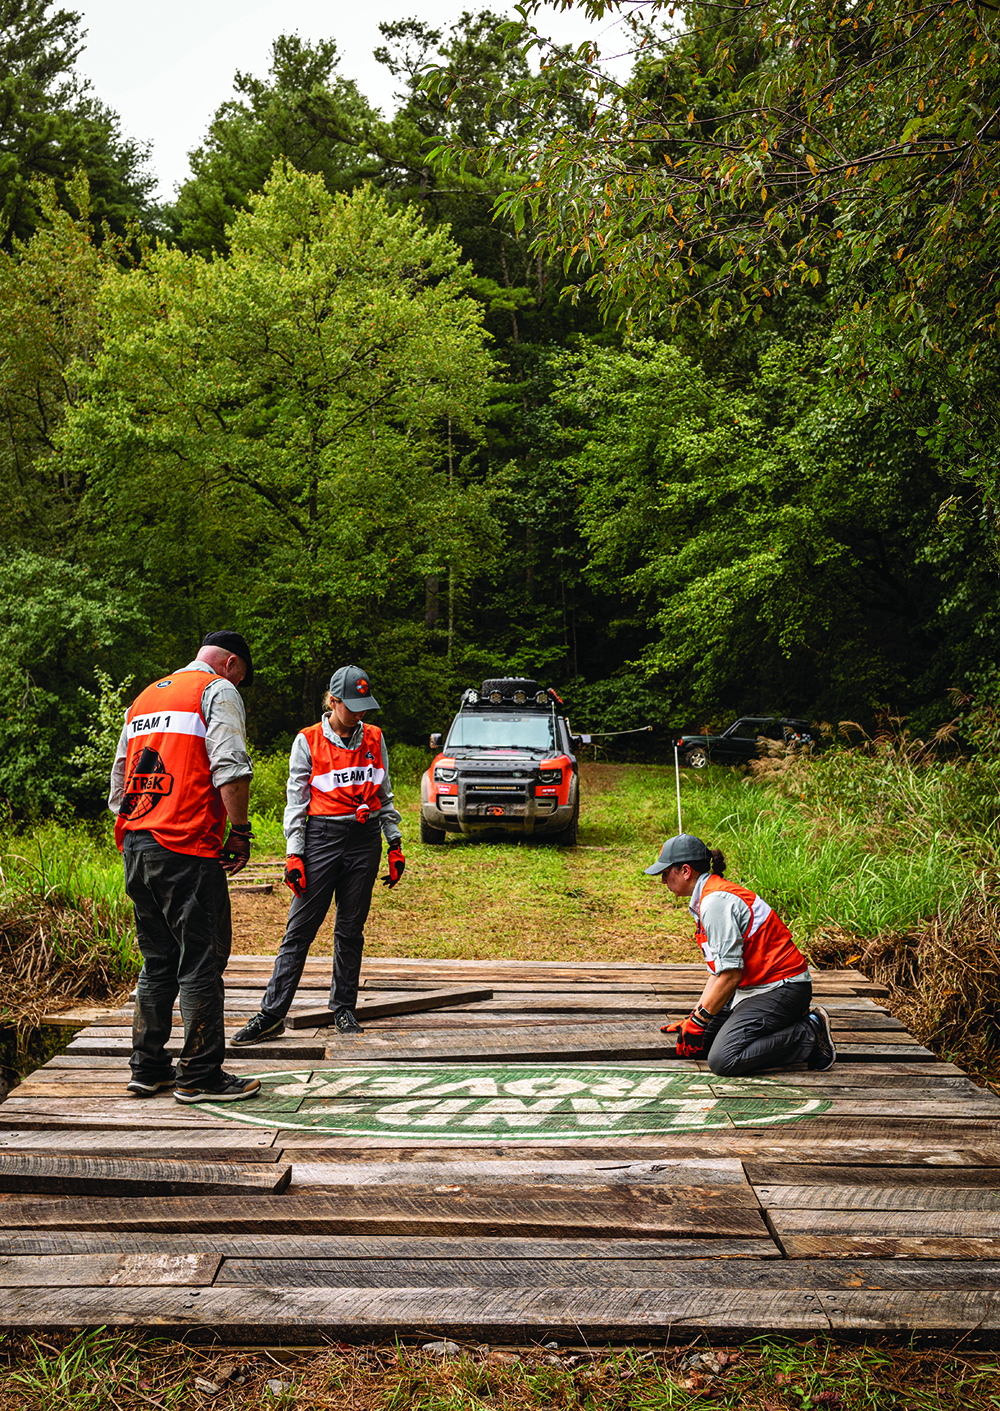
[{"x": 148, "y": 783}]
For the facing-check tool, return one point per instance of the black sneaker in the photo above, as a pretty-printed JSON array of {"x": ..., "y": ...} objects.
[
  {"x": 345, "y": 1022},
  {"x": 259, "y": 1027},
  {"x": 228, "y": 1089},
  {"x": 825, "y": 1055},
  {"x": 146, "y": 1089}
]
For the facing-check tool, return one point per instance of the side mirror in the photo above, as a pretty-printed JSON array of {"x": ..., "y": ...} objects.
[{"x": 437, "y": 742}]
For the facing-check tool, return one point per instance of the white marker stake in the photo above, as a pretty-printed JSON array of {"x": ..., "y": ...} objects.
[{"x": 677, "y": 773}]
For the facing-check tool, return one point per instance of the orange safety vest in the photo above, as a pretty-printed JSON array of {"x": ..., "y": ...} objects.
[
  {"x": 168, "y": 780},
  {"x": 769, "y": 953},
  {"x": 341, "y": 779}
]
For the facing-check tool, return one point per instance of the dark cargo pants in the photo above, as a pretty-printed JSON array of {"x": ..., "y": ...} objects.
[
  {"x": 768, "y": 1030},
  {"x": 341, "y": 864},
  {"x": 183, "y": 926}
]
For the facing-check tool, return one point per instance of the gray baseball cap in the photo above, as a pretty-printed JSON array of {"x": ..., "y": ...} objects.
[
  {"x": 351, "y": 684},
  {"x": 685, "y": 847}
]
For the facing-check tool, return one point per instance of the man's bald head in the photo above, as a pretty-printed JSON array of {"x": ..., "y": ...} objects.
[{"x": 223, "y": 663}]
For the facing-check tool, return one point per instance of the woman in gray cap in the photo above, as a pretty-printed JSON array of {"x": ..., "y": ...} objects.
[
  {"x": 756, "y": 1009},
  {"x": 339, "y": 805}
]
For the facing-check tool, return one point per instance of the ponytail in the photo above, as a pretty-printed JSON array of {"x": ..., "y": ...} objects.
[{"x": 717, "y": 862}]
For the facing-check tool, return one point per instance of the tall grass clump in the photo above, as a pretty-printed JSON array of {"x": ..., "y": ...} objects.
[{"x": 66, "y": 926}]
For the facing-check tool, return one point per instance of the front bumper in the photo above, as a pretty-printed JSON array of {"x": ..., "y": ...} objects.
[{"x": 525, "y": 815}]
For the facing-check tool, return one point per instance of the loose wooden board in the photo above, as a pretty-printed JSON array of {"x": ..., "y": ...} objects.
[
  {"x": 876, "y": 1198},
  {"x": 613, "y": 1272},
  {"x": 401, "y": 1004},
  {"x": 725, "y": 1211},
  {"x": 771, "y": 1174},
  {"x": 95, "y": 1175},
  {"x": 106, "y": 1270},
  {"x": 296, "y": 1315},
  {"x": 371, "y": 1248}
]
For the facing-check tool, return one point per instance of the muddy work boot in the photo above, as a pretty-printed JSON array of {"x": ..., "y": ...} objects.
[{"x": 260, "y": 1027}]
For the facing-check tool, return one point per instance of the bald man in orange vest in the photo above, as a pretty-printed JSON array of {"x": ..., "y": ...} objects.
[{"x": 181, "y": 771}]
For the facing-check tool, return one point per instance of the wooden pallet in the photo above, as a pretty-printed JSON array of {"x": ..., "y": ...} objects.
[{"x": 528, "y": 1165}]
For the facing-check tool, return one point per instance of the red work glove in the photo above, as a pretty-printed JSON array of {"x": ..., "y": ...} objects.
[
  {"x": 691, "y": 1041},
  {"x": 235, "y": 852},
  {"x": 361, "y": 812},
  {"x": 295, "y": 874},
  {"x": 396, "y": 862}
]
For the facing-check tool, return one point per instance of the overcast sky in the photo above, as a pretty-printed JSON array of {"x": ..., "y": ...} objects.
[{"x": 165, "y": 68}]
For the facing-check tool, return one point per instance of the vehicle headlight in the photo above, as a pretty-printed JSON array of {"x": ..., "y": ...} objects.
[
  {"x": 550, "y": 776},
  {"x": 519, "y": 698},
  {"x": 445, "y": 776}
]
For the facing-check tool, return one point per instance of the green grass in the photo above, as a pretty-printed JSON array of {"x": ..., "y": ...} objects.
[{"x": 95, "y": 1370}]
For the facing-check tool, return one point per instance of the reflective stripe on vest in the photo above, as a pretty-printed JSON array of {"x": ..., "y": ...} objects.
[
  {"x": 168, "y": 780},
  {"x": 341, "y": 778},
  {"x": 769, "y": 953}
]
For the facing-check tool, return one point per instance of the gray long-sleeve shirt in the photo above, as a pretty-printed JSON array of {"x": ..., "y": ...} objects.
[
  {"x": 298, "y": 792},
  {"x": 726, "y": 919},
  {"x": 225, "y": 737}
]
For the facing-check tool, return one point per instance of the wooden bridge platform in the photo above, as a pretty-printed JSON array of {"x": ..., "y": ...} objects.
[{"x": 530, "y": 1166}]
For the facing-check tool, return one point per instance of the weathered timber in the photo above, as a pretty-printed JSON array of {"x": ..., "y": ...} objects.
[
  {"x": 774, "y": 1173},
  {"x": 959, "y": 1224},
  {"x": 568, "y": 1211},
  {"x": 95, "y": 1175},
  {"x": 376, "y": 1247},
  {"x": 612, "y": 1272},
  {"x": 897, "y": 1248},
  {"x": 106, "y": 1270},
  {"x": 296, "y": 1315},
  {"x": 876, "y": 1198},
  {"x": 402, "y": 1004}
]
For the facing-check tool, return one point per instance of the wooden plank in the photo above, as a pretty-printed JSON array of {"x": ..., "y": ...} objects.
[
  {"x": 374, "y": 1248},
  {"x": 296, "y": 1315},
  {"x": 402, "y": 1004},
  {"x": 875, "y": 1198},
  {"x": 955, "y": 1224},
  {"x": 612, "y": 1272},
  {"x": 124, "y": 1149},
  {"x": 775, "y": 1173},
  {"x": 665, "y": 1171},
  {"x": 107, "y": 1270},
  {"x": 95, "y": 1175},
  {"x": 37, "y": 1134},
  {"x": 897, "y": 1248},
  {"x": 572, "y": 1212},
  {"x": 951, "y": 1311}
]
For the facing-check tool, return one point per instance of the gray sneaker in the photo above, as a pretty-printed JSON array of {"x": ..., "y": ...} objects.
[
  {"x": 260, "y": 1027},
  {"x": 227, "y": 1089},
  {"x": 345, "y": 1022},
  {"x": 825, "y": 1053}
]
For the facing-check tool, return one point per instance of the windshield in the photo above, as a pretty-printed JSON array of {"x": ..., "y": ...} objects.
[{"x": 501, "y": 732}]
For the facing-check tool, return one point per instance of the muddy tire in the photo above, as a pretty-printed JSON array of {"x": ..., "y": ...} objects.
[
  {"x": 434, "y": 836},
  {"x": 696, "y": 758}
]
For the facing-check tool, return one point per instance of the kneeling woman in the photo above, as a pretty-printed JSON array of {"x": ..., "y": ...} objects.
[{"x": 756, "y": 1009}]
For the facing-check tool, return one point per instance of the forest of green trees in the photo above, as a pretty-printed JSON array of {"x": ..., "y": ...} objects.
[{"x": 677, "y": 391}]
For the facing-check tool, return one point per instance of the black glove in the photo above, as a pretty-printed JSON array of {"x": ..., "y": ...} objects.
[{"x": 236, "y": 850}]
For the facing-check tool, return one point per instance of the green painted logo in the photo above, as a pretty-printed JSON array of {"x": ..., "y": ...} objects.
[{"x": 466, "y": 1104}]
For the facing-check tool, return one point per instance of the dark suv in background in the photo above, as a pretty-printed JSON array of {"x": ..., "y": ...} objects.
[{"x": 738, "y": 742}]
